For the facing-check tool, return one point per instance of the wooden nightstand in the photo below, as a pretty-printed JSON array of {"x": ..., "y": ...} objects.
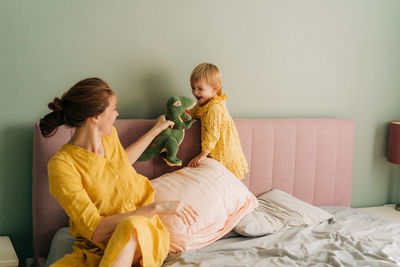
[
  {"x": 386, "y": 212},
  {"x": 8, "y": 257}
]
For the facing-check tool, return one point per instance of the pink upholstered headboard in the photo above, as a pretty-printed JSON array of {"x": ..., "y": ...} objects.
[{"x": 308, "y": 158}]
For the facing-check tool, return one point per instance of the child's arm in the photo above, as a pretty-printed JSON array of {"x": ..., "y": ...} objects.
[
  {"x": 211, "y": 127},
  {"x": 192, "y": 111},
  {"x": 210, "y": 134}
]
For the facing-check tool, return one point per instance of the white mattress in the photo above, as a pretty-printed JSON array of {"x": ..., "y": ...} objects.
[{"x": 352, "y": 238}]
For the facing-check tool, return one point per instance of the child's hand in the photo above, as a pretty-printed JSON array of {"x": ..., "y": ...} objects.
[{"x": 197, "y": 160}]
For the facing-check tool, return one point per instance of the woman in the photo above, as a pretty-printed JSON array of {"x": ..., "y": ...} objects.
[{"x": 111, "y": 207}]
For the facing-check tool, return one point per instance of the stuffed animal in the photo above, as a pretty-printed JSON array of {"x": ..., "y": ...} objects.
[{"x": 167, "y": 143}]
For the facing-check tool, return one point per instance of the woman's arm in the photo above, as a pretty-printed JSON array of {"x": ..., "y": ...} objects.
[
  {"x": 210, "y": 133},
  {"x": 136, "y": 149},
  {"x": 107, "y": 225}
]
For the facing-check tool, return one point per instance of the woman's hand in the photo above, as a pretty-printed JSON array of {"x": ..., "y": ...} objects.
[
  {"x": 179, "y": 208},
  {"x": 136, "y": 149},
  {"x": 198, "y": 159},
  {"x": 162, "y": 123},
  {"x": 107, "y": 224}
]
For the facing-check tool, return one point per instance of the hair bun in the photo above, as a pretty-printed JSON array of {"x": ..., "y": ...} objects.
[{"x": 56, "y": 105}]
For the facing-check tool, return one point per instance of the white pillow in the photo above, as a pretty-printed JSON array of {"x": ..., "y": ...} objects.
[
  {"x": 60, "y": 245},
  {"x": 278, "y": 211},
  {"x": 219, "y": 197}
]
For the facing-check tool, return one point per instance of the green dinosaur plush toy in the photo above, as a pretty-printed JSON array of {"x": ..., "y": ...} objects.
[{"x": 167, "y": 143}]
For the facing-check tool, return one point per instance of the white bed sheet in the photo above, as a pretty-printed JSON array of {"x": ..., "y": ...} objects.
[{"x": 351, "y": 238}]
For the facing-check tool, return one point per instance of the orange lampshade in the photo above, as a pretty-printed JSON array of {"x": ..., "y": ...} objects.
[{"x": 393, "y": 153}]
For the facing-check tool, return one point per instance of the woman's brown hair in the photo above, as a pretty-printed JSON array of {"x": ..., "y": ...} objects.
[{"x": 85, "y": 99}]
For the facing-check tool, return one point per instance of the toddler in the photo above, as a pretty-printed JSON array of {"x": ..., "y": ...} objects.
[{"x": 219, "y": 137}]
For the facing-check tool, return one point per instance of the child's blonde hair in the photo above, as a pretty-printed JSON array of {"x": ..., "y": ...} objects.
[{"x": 208, "y": 73}]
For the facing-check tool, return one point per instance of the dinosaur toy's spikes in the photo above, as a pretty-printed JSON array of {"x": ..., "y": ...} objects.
[{"x": 168, "y": 141}]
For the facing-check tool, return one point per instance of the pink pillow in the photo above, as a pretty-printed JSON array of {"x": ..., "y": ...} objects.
[{"x": 219, "y": 197}]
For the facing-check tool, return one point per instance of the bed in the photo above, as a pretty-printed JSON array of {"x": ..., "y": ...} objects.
[{"x": 311, "y": 159}]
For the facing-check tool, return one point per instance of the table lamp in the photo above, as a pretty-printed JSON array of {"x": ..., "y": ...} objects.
[{"x": 393, "y": 152}]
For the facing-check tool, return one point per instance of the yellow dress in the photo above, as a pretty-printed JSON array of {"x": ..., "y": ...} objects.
[
  {"x": 88, "y": 187},
  {"x": 219, "y": 135}
]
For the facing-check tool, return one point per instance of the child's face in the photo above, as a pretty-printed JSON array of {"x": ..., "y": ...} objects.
[{"x": 203, "y": 92}]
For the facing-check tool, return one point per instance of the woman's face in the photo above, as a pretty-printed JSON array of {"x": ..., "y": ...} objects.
[{"x": 108, "y": 116}]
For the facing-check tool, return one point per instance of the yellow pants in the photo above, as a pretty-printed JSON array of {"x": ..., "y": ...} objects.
[{"x": 153, "y": 240}]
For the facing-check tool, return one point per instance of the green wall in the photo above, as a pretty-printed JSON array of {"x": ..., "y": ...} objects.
[{"x": 279, "y": 59}]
